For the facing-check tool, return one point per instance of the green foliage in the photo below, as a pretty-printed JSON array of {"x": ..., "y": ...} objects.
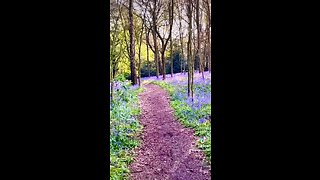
[
  {"x": 120, "y": 77},
  {"x": 124, "y": 129},
  {"x": 177, "y": 58}
]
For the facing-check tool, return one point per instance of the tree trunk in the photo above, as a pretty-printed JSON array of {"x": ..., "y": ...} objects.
[
  {"x": 201, "y": 60},
  {"x": 132, "y": 45},
  {"x": 208, "y": 34},
  {"x": 171, "y": 52},
  {"x": 163, "y": 58},
  {"x": 112, "y": 85},
  {"x": 209, "y": 51},
  {"x": 139, "y": 65},
  {"x": 171, "y": 45},
  {"x": 181, "y": 41},
  {"x": 198, "y": 34},
  {"x": 203, "y": 54},
  {"x": 154, "y": 29},
  {"x": 181, "y": 63},
  {"x": 147, "y": 39},
  {"x": 165, "y": 41},
  {"x": 184, "y": 67},
  {"x": 190, "y": 58},
  {"x": 160, "y": 64},
  {"x": 140, "y": 43},
  {"x": 156, "y": 54},
  {"x": 194, "y": 51}
]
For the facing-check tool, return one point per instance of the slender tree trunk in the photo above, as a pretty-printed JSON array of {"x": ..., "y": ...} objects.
[
  {"x": 192, "y": 61},
  {"x": 209, "y": 49},
  {"x": 201, "y": 60},
  {"x": 203, "y": 54},
  {"x": 198, "y": 34},
  {"x": 183, "y": 66},
  {"x": 140, "y": 43},
  {"x": 112, "y": 85},
  {"x": 147, "y": 39},
  {"x": 181, "y": 63},
  {"x": 209, "y": 57},
  {"x": 190, "y": 58},
  {"x": 154, "y": 29},
  {"x": 165, "y": 41},
  {"x": 163, "y": 58},
  {"x": 194, "y": 51},
  {"x": 156, "y": 54},
  {"x": 139, "y": 65},
  {"x": 160, "y": 64},
  {"x": 171, "y": 45},
  {"x": 208, "y": 34},
  {"x": 132, "y": 45},
  {"x": 171, "y": 52}
]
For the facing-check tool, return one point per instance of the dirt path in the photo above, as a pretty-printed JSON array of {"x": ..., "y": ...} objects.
[{"x": 168, "y": 149}]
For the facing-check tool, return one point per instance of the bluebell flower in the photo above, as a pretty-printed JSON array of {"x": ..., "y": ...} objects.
[
  {"x": 116, "y": 132},
  {"x": 129, "y": 131},
  {"x": 202, "y": 120},
  {"x": 199, "y": 105}
]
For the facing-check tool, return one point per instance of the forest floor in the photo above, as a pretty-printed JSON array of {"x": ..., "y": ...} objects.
[{"x": 168, "y": 150}]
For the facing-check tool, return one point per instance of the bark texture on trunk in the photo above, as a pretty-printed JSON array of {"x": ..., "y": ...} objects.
[{"x": 132, "y": 45}]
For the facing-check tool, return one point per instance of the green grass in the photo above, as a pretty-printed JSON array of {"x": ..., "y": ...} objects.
[{"x": 124, "y": 129}]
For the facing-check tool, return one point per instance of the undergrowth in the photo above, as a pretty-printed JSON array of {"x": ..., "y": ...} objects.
[{"x": 124, "y": 128}]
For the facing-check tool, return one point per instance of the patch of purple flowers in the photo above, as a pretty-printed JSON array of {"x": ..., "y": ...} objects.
[{"x": 202, "y": 120}]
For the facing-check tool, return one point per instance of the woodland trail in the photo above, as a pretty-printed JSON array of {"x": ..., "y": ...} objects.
[{"x": 168, "y": 149}]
